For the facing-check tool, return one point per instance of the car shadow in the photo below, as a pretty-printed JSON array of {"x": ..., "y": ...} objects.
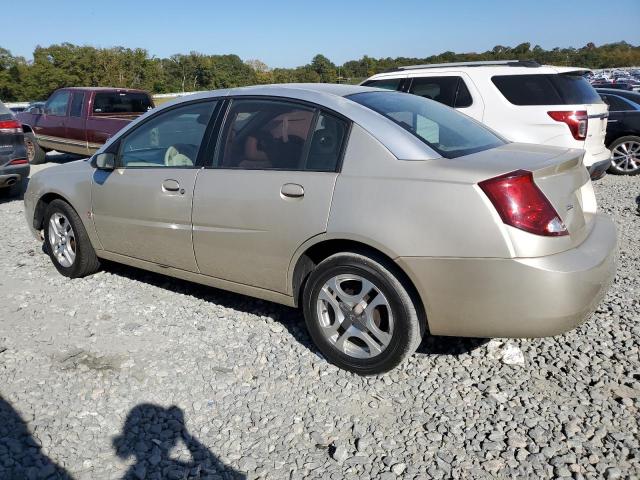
[
  {"x": 60, "y": 158},
  {"x": 149, "y": 435},
  {"x": 19, "y": 197},
  {"x": 21, "y": 455},
  {"x": 290, "y": 318}
]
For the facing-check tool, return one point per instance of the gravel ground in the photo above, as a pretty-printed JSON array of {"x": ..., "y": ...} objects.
[{"x": 131, "y": 374}]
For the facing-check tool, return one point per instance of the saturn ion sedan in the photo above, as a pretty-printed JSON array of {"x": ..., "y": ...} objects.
[{"x": 382, "y": 215}]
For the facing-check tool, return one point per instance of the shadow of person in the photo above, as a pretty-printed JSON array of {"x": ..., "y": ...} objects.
[
  {"x": 151, "y": 433},
  {"x": 20, "y": 455}
]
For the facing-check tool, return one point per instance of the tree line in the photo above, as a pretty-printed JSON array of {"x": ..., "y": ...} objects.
[{"x": 74, "y": 65}]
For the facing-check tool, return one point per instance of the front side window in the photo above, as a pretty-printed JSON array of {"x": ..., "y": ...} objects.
[
  {"x": 57, "y": 104},
  {"x": 265, "y": 135},
  {"x": 387, "y": 83},
  {"x": 450, "y": 133},
  {"x": 121, "y": 102},
  {"x": 76, "y": 104},
  {"x": 169, "y": 139}
]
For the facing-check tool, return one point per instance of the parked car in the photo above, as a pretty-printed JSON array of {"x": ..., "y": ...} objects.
[
  {"x": 383, "y": 215},
  {"x": 14, "y": 167},
  {"x": 521, "y": 100},
  {"x": 614, "y": 85},
  {"x": 80, "y": 120},
  {"x": 623, "y": 130},
  {"x": 16, "y": 107}
]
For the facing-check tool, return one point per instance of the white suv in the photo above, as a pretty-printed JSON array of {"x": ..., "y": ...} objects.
[{"x": 521, "y": 100}]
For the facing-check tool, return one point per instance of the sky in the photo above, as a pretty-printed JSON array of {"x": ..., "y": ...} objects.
[{"x": 284, "y": 33}]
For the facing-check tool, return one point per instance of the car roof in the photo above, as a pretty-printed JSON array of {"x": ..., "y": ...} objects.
[
  {"x": 480, "y": 68},
  {"x": 400, "y": 142},
  {"x": 105, "y": 89}
]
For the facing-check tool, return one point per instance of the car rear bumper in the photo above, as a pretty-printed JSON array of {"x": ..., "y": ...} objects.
[
  {"x": 592, "y": 158},
  {"x": 599, "y": 169},
  {"x": 10, "y": 175},
  {"x": 520, "y": 297}
]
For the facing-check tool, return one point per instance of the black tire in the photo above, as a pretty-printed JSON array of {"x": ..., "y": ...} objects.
[
  {"x": 35, "y": 154},
  {"x": 616, "y": 170},
  {"x": 408, "y": 326},
  {"x": 86, "y": 262}
]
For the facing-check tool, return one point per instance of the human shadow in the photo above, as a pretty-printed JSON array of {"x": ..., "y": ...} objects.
[
  {"x": 151, "y": 432},
  {"x": 21, "y": 456}
]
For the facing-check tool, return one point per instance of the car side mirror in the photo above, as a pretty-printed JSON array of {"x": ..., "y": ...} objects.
[{"x": 105, "y": 161}]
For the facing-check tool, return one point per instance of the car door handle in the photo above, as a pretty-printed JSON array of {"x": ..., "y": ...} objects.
[
  {"x": 171, "y": 186},
  {"x": 292, "y": 190}
]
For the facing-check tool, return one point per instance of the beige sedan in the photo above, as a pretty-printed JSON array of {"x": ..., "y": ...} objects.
[{"x": 382, "y": 215}]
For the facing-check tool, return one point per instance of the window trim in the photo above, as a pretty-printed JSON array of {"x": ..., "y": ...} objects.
[
  {"x": 213, "y": 163},
  {"x": 70, "y": 95},
  {"x": 118, "y": 145}
]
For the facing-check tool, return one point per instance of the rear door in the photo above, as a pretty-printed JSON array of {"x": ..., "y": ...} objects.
[
  {"x": 142, "y": 209},
  {"x": 268, "y": 192}
]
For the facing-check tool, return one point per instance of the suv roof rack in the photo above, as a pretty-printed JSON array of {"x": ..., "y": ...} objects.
[{"x": 484, "y": 63}]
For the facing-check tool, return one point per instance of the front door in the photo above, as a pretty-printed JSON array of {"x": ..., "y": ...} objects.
[
  {"x": 269, "y": 191},
  {"x": 142, "y": 209}
]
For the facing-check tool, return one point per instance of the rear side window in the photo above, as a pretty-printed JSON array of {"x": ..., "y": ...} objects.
[
  {"x": 326, "y": 144},
  {"x": 452, "y": 134},
  {"x": 76, "y": 104},
  {"x": 121, "y": 102},
  {"x": 450, "y": 90},
  {"x": 387, "y": 84},
  {"x": 546, "y": 89}
]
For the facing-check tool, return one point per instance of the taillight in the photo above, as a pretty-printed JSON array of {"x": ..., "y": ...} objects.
[
  {"x": 576, "y": 120},
  {"x": 19, "y": 161},
  {"x": 521, "y": 204},
  {"x": 10, "y": 126}
]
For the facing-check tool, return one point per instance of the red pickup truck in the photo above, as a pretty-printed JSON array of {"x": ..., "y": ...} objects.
[{"x": 80, "y": 120}]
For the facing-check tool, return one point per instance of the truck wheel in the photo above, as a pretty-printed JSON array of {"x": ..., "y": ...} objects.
[{"x": 35, "y": 154}]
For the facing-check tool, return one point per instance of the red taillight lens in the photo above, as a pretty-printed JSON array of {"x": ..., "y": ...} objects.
[
  {"x": 10, "y": 126},
  {"x": 521, "y": 204},
  {"x": 577, "y": 121},
  {"x": 19, "y": 161}
]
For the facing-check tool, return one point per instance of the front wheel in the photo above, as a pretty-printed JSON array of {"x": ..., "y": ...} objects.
[
  {"x": 625, "y": 156},
  {"x": 67, "y": 242},
  {"x": 360, "y": 316}
]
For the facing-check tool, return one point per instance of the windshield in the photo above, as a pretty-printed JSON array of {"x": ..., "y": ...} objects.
[{"x": 450, "y": 133}]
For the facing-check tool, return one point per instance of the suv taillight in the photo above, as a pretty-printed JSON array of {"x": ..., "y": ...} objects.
[
  {"x": 576, "y": 120},
  {"x": 521, "y": 204},
  {"x": 10, "y": 126}
]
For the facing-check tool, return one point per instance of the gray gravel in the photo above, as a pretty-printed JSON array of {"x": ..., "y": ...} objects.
[{"x": 130, "y": 374}]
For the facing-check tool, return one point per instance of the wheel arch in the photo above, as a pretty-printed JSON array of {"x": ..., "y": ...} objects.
[
  {"x": 322, "y": 247},
  {"x": 26, "y": 128},
  {"x": 41, "y": 207}
]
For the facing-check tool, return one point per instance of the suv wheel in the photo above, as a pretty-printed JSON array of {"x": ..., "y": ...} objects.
[
  {"x": 625, "y": 156},
  {"x": 359, "y": 314},
  {"x": 35, "y": 154},
  {"x": 67, "y": 242}
]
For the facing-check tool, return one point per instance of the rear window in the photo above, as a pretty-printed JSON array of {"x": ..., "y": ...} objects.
[
  {"x": 546, "y": 89},
  {"x": 121, "y": 102},
  {"x": 4, "y": 110},
  {"x": 450, "y": 133}
]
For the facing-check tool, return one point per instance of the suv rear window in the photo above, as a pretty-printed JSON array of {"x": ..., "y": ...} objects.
[
  {"x": 546, "y": 89},
  {"x": 450, "y": 133},
  {"x": 121, "y": 102}
]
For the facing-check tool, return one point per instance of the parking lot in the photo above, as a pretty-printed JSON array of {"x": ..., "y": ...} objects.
[{"x": 128, "y": 373}]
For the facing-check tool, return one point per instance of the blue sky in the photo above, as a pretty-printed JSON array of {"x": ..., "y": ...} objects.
[{"x": 289, "y": 33}]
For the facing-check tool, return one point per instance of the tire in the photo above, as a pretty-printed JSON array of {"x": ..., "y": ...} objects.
[
  {"x": 624, "y": 166},
  {"x": 84, "y": 260},
  {"x": 397, "y": 330},
  {"x": 35, "y": 154}
]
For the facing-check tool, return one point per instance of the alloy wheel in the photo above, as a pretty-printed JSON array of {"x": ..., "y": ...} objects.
[
  {"x": 626, "y": 157},
  {"x": 355, "y": 316},
  {"x": 62, "y": 239}
]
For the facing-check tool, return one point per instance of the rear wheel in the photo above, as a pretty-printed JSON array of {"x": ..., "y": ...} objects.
[
  {"x": 67, "y": 242},
  {"x": 625, "y": 156},
  {"x": 35, "y": 154},
  {"x": 360, "y": 315}
]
